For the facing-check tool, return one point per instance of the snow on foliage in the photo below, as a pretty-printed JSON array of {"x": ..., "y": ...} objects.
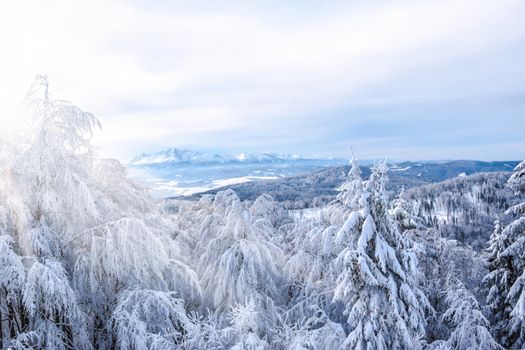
[
  {"x": 470, "y": 327},
  {"x": 239, "y": 260},
  {"x": 149, "y": 319},
  {"x": 506, "y": 277},
  {"x": 352, "y": 187},
  {"x": 403, "y": 213},
  {"x": 378, "y": 283},
  {"x": 75, "y": 234},
  {"x": 438, "y": 259},
  {"x": 245, "y": 327}
]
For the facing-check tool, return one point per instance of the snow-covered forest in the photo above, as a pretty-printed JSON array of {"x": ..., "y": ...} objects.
[{"x": 89, "y": 261}]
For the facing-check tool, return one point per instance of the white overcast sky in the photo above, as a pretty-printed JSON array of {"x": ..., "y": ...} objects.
[{"x": 400, "y": 79}]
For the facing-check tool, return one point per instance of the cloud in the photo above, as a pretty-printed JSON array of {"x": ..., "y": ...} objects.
[{"x": 250, "y": 75}]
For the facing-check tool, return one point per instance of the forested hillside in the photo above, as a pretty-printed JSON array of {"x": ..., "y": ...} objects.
[
  {"x": 89, "y": 261},
  {"x": 320, "y": 187},
  {"x": 465, "y": 208}
]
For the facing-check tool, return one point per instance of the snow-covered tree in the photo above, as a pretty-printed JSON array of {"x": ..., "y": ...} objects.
[
  {"x": 75, "y": 235},
  {"x": 348, "y": 199},
  {"x": 149, "y": 319},
  {"x": 352, "y": 187},
  {"x": 54, "y": 313},
  {"x": 125, "y": 255},
  {"x": 438, "y": 259},
  {"x": 51, "y": 177},
  {"x": 352, "y": 199},
  {"x": 244, "y": 329},
  {"x": 12, "y": 281},
  {"x": 379, "y": 284},
  {"x": 239, "y": 261},
  {"x": 317, "y": 332},
  {"x": 506, "y": 277},
  {"x": 470, "y": 327},
  {"x": 499, "y": 280},
  {"x": 311, "y": 262},
  {"x": 317, "y": 240},
  {"x": 311, "y": 274},
  {"x": 56, "y": 165},
  {"x": 207, "y": 333},
  {"x": 267, "y": 214},
  {"x": 403, "y": 213}
]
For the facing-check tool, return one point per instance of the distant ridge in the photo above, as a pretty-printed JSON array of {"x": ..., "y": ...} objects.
[{"x": 325, "y": 182}]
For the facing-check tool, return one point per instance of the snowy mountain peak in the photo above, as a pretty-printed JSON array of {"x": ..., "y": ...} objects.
[{"x": 242, "y": 157}]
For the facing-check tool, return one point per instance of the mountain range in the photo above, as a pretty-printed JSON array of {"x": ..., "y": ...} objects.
[{"x": 176, "y": 156}]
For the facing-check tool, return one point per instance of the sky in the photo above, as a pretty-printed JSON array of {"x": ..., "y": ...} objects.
[{"x": 406, "y": 80}]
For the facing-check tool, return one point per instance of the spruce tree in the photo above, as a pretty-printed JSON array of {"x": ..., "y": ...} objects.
[
  {"x": 506, "y": 277},
  {"x": 403, "y": 213},
  {"x": 379, "y": 281},
  {"x": 470, "y": 327}
]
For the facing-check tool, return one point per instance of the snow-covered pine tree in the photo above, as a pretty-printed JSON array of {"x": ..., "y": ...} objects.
[
  {"x": 316, "y": 243},
  {"x": 352, "y": 187},
  {"x": 498, "y": 280},
  {"x": 347, "y": 200},
  {"x": 404, "y": 213},
  {"x": 379, "y": 282},
  {"x": 351, "y": 199},
  {"x": 516, "y": 252},
  {"x": 438, "y": 259},
  {"x": 470, "y": 327},
  {"x": 506, "y": 277}
]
